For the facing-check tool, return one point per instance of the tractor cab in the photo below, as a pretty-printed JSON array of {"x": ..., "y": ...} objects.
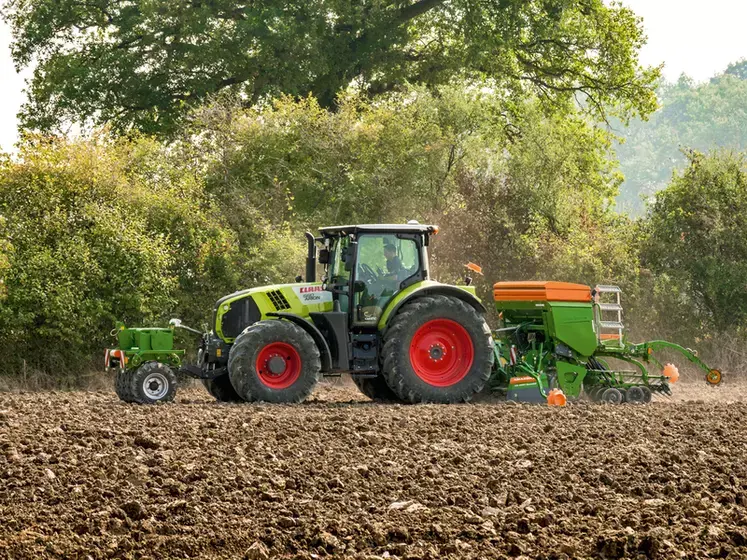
[{"x": 366, "y": 266}]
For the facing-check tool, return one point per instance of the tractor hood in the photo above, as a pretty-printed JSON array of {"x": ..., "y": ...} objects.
[{"x": 234, "y": 312}]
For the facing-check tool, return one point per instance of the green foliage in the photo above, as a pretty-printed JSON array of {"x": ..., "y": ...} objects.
[
  {"x": 101, "y": 231},
  {"x": 144, "y": 64},
  {"x": 696, "y": 242},
  {"x": 693, "y": 116},
  {"x": 6, "y": 249}
]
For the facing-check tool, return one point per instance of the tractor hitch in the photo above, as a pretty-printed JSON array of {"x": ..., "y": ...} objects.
[{"x": 199, "y": 373}]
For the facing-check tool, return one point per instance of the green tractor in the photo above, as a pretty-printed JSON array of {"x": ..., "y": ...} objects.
[{"x": 376, "y": 315}]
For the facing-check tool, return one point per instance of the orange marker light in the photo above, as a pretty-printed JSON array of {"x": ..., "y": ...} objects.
[
  {"x": 671, "y": 372},
  {"x": 556, "y": 398},
  {"x": 435, "y": 230}
]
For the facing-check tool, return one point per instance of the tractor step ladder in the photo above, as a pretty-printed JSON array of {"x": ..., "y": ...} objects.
[{"x": 608, "y": 315}]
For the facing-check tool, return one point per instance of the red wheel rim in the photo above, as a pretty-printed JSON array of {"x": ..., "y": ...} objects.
[
  {"x": 278, "y": 365},
  {"x": 441, "y": 352}
]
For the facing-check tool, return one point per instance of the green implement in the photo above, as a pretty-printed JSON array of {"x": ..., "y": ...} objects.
[
  {"x": 557, "y": 335},
  {"x": 144, "y": 364}
]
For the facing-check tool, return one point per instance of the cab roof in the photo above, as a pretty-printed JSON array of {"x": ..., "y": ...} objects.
[{"x": 378, "y": 228}]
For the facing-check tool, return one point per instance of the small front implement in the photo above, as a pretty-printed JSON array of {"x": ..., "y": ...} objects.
[{"x": 144, "y": 363}]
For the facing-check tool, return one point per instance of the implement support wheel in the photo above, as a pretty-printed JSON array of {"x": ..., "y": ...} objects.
[
  {"x": 153, "y": 382},
  {"x": 612, "y": 396},
  {"x": 713, "y": 377},
  {"x": 220, "y": 389},
  {"x": 635, "y": 395},
  {"x": 647, "y": 395}
]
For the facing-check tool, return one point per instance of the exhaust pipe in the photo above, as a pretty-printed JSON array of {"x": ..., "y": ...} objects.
[{"x": 311, "y": 258}]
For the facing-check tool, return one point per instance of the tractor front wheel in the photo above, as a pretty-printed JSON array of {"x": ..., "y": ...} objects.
[
  {"x": 274, "y": 361},
  {"x": 153, "y": 382},
  {"x": 437, "y": 349},
  {"x": 220, "y": 389}
]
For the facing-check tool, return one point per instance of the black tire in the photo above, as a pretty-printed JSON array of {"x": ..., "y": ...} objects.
[
  {"x": 647, "y": 395},
  {"x": 635, "y": 395},
  {"x": 122, "y": 385},
  {"x": 398, "y": 368},
  {"x": 221, "y": 389},
  {"x": 612, "y": 395},
  {"x": 153, "y": 382},
  {"x": 253, "y": 385},
  {"x": 376, "y": 389}
]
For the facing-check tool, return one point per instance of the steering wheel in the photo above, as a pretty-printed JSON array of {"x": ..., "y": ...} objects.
[{"x": 367, "y": 274}]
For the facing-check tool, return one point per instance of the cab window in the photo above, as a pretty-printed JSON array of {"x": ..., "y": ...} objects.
[{"x": 383, "y": 263}]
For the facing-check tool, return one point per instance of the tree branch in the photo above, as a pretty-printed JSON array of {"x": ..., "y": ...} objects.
[{"x": 417, "y": 9}]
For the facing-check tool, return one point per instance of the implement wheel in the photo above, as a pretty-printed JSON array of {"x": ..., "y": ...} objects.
[
  {"x": 612, "y": 396},
  {"x": 274, "y": 361},
  {"x": 635, "y": 395},
  {"x": 647, "y": 395},
  {"x": 375, "y": 388},
  {"x": 437, "y": 349},
  {"x": 152, "y": 383},
  {"x": 595, "y": 392},
  {"x": 122, "y": 385},
  {"x": 220, "y": 389}
]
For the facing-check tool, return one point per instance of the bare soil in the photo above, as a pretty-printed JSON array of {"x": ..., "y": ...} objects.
[{"x": 85, "y": 476}]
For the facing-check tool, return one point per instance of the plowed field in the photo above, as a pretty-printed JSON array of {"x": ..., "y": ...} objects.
[{"x": 85, "y": 476}]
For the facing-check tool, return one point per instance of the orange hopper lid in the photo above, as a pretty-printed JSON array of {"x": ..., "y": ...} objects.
[{"x": 541, "y": 291}]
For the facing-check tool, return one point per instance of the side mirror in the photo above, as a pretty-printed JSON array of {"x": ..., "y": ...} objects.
[{"x": 323, "y": 256}]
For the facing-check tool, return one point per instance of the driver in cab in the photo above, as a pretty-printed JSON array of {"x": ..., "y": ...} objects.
[{"x": 393, "y": 265}]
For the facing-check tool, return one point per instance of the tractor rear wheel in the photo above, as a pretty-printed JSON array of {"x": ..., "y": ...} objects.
[
  {"x": 375, "y": 388},
  {"x": 220, "y": 389},
  {"x": 153, "y": 382},
  {"x": 274, "y": 361},
  {"x": 437, "y": 349}
]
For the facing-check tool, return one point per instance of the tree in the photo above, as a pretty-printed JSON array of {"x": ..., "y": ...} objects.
[
  {"x": 142, "y": 63},
  {"x": 738, "y": 69},
  {"x": 693, "y": 116},
  {"x": 697, "y": 239}
]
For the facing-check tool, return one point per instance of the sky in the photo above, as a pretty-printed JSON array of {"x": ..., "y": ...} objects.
[{"x": 688, "y": 36}]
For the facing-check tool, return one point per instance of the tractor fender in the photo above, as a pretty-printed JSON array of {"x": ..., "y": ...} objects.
[
  {"x": 315, "y": 333},
  {"x": 428, "y": 289}
]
